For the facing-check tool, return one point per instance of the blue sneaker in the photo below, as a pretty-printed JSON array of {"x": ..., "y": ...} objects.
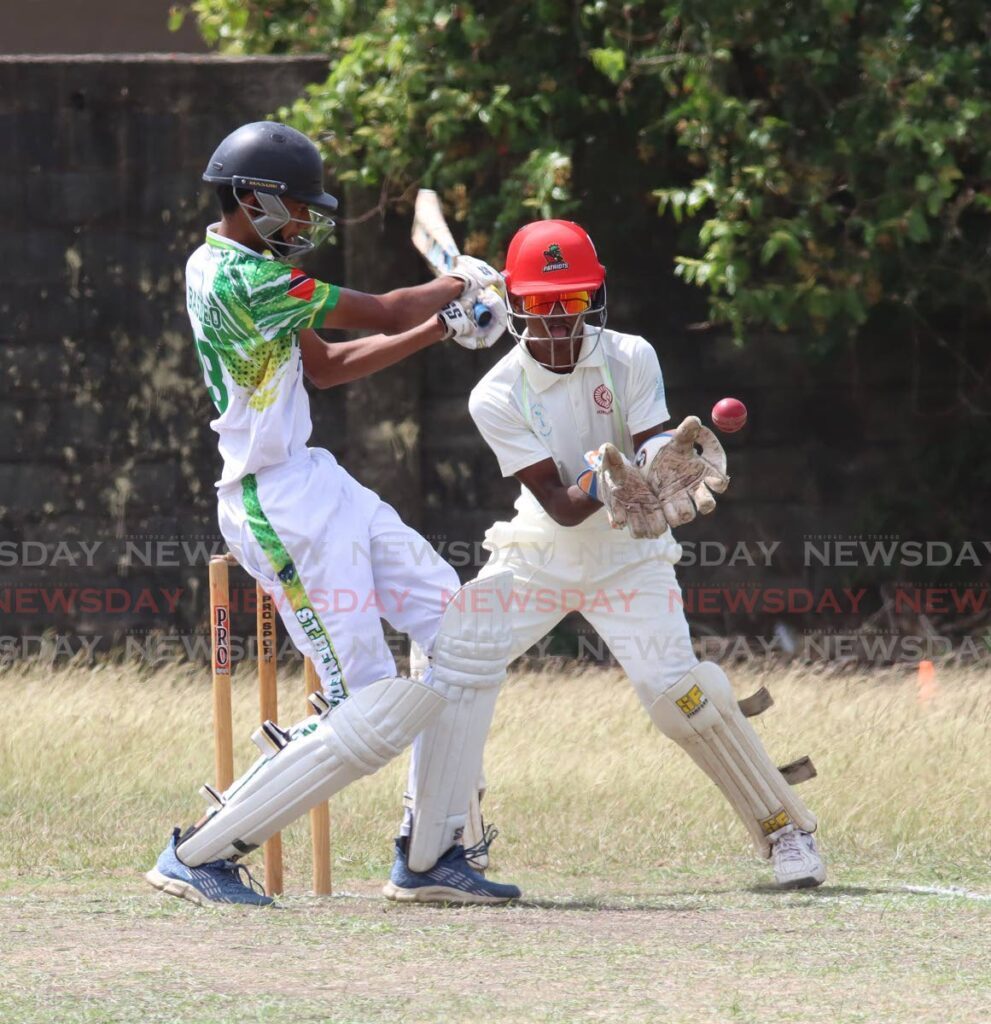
[
  {"x": 219, "y": 881},
  {"x": 450, "y": 880}
]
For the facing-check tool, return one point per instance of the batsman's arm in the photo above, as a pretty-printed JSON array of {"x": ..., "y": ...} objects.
[
  {"x": 393, "y": 312},
  {"x": 327, "y": 364},
  {"x": 566, "y": 505}
]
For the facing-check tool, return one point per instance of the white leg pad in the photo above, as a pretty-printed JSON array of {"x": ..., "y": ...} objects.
[
  {"x": 701, "y": 714},
  {"x": 468, "y": 667},
  {"x": 323, "y": 756}
]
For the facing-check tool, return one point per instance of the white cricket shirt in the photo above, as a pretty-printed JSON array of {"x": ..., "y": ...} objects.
[{"x": 527, "y": 413}]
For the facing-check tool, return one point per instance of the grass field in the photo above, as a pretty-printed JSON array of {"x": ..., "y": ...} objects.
[{"x": 643, "y": 899}]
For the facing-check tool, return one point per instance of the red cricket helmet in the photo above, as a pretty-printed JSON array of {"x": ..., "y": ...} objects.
[{"x": 552, "y": 256}]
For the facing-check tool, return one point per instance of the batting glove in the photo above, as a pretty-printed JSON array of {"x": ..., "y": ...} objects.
[
  {"x": 487, "y": 336},
  {"x": 455, "y": 321},
  {"x": 477, "y": 276},
  {"x": 458, "y": 320}
]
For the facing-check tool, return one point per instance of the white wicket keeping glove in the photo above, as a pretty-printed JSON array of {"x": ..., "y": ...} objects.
[
  {"x": 477, "y": 276},
  {"x": 621, "y": 487},
  {"x": 686, "y": 472}
]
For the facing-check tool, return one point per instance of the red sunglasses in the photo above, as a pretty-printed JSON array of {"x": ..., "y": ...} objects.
[{"x": 572, "y": 303}]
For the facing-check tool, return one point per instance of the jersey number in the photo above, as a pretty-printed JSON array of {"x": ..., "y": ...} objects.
[{"x": 213, "y": 370}]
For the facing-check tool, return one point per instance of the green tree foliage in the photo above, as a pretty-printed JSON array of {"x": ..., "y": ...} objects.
[
  {"x": 833, "y": 159},
  {"x": 485, "y": 100},
  {"x": 844, "y": 158}
]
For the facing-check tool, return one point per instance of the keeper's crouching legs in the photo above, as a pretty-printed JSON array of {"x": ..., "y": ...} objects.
[
  {"x": 701, "y": 714},
  {"x": 319, "y": 756}
]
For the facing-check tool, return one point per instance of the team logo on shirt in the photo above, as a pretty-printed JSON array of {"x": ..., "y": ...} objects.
[
  {"x": 554, "y": 259},
  {"x": 301, "y": 285},
  {"x": 603, "y": 398},
  {"x": 539, "y": 421}
]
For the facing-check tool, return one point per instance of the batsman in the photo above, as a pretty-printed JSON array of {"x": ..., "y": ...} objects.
[
  {"x": 307, "y": 531},
  {"x": 577, "y": 413}
]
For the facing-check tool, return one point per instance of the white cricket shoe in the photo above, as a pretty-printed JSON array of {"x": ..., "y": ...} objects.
[{"x": 796, "y": 861}]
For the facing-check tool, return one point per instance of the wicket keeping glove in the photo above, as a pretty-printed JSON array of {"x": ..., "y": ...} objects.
[
  {"x": 686, "y": 472},
  {"x": 621, "y": 487}
]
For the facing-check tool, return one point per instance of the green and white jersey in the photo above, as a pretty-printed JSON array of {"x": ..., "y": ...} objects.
[{"x": 247, "y": 311}]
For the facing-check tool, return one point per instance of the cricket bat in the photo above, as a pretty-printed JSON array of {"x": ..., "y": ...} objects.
[{"x": 433, "y": 240}]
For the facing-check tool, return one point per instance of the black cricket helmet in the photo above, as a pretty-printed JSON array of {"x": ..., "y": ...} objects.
[{"x": 271, "y": 160}]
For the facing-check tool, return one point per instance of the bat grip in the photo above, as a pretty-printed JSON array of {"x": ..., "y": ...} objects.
[{"x": 483, "y": 315}]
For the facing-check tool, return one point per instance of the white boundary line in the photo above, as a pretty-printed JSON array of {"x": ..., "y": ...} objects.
[{"x": 936, "y": 890}]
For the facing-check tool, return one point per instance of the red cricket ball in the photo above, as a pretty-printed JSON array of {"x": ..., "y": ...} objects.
[{"x": 729, "y": 415}]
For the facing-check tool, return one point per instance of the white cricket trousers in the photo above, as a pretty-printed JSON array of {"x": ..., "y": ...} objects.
[
  {"x": 626, "y": 589},
  {"x": 336, "y": 560}
]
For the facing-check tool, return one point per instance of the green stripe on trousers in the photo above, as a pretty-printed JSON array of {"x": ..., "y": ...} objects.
[{"x": 284, "y": 567}]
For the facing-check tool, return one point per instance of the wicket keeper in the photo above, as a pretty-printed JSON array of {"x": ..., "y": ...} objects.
[{"x": 576, "y": 412}]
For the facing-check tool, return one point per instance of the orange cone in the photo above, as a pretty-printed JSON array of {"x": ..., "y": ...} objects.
[{"x": 927, "y": 686}]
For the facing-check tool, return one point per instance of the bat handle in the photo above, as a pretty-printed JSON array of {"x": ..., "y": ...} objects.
[{"x": 483, "y": 315}]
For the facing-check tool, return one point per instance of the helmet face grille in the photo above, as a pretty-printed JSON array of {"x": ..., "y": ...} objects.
[
  {"x": 540, "y": 334},
  {"x": 270, "y": 218}
]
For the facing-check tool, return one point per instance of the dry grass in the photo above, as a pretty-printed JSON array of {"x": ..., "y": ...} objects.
[
  {"x": 96, "y": 765},
  {"x": 645, "y": 902}
]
